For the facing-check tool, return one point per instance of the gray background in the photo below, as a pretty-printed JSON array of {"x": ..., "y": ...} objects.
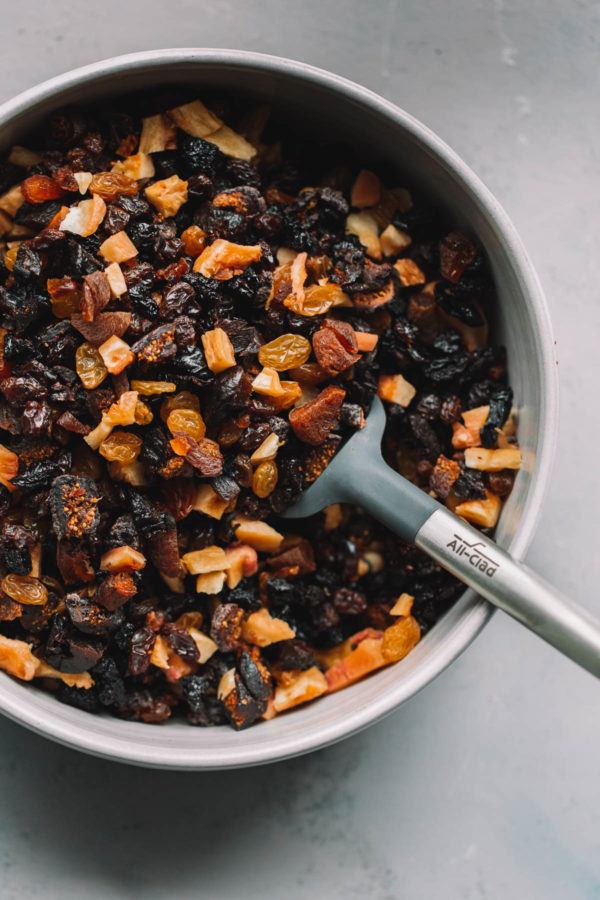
[{"x": 486, "y": 785}]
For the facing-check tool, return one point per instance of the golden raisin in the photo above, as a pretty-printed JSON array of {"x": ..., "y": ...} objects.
[
  {"x": 109, "y": 184},
  {"x": 186, "y": 421},
  {"x": 25, "y": 589},
  {"x": 89, "y": 366},
  {"x": 148, "y": 388},
  {"x": 285, "y": 352},
  {"x": 292, "y": 392},
  {"x": 265, "y": 478},
  {"x": 143, "y": 414},
  {"x": 10, "y": 257},
  {"x": 194, "y": 240},
  {"x": 121, "y": 446},
  {"x": 182, "y": 400}
]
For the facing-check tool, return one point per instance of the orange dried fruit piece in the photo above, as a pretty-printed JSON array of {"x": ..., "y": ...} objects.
[
  {"x": 137, "y": 166},
  {"x": 186, "y": 421},
  {"x": 400, "y": 638},
  {"x": 403, "y": 605},
  {"x": 484, "y": 513},
  {"x": 318, "y": 300},
  {"x": 89, "y": 365},
  {"x": 291, "y": 393},
  {"x": 120, "y": 413},
  {"x": 17, "y": 659},
  {"x": 64, "y": 296},
  {"x": 365, "y": 227},
  {"x": 331, "y": 349},
  {"x": 267, "y": 383},
  {"x": 313, "y": 421},
  {"x": 365, "y": 341},
  {"x": 224, "y": 259},
  {"x": 168, "y": 195},
  {"x": 84, "y": 218},
  {"x": 242, "y": 561},
  {"x": 285, "y": 352},
  {"x": 39, "y": 188},
  {"x": 118, "y": 248},
  {"x": 121, "y": 446},
  {"x": 409, "y": 272},
  {"x": 366, "y": 190},
  {"x": 263, "y": 629},
  {"x": 9, "y": 467},
  {"x": 158, "y": 134},
  {"x": 209, "y": 559},
  {"x": 116, "y": 354},
  {"x": 10, "y": 257},
  {"x": 123, "y": 558},
  {"x": 492, "y": 460},
  {"x": 109, "y": 185},
  {"x": 393, "y": 240},
  {"x": 365, "y": 658},
  {"x": 116, "y": 279},
  {"x": 295, "y": 687},
  {"x": 25, "y": 589},
  {"x": 467, "y": 435},
  {"x": 395, "y": 389},
  {"x": 218, "y": 350},
  {"x": 257, "y": 534},
  {"x": 210, "y": 503},
  {"x": 181, "y": 400}
]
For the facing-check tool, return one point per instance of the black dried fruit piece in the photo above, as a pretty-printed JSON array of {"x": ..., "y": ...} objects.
[
  {"x": 163, "y": 550},
  {"x": 39, "y": 476},
  {"x": 74, "y": 503},
  {"x": 141, "y": 644},
  {"x": 109, "y": 684},
  {"x": 294, "y": 654},
  {"x": 241, "y": 708},
  {"x": 29, "y": 263},
  {"x": 90, "y": 617},
  {"x": 73, "y": 561},
  {"x": 445, "y": 296},
  {"x": 80, "y": 698},
  {"x": 69, "y": 652},
  {"x": 470, "y": 485},
  {"x": 254, "y": 673},
  {"x": 156, "y": 347},
  {"x": 226, "y": 626},
  {"x": 348, "y": 602},
  {"x": 149, "y": 519},
  {"x": 16, "y": 542},
  {"x": 180, "y": 642},
  {"x": 197, "y": 156},
  {"x": 500, "y": 406},
  {"x": 19, "y": 389}
]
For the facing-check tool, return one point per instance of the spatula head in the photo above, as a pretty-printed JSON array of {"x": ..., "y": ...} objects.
[{"x": 352, "y": 461}]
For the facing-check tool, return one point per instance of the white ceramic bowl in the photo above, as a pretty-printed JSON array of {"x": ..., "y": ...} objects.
[{"x": 354, "y": 113}]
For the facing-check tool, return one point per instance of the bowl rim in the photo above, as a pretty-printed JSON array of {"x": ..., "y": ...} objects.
[{"x": 474, "y": 612}]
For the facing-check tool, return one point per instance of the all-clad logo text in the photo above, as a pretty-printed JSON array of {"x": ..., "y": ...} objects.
[{"x": 476, "y": 557}]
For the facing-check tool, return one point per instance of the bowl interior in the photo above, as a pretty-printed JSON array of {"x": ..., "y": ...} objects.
[{"x": 325, "y": 105}]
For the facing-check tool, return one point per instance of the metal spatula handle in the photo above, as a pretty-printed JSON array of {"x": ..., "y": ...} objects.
[{"x": 475, "y": 559}]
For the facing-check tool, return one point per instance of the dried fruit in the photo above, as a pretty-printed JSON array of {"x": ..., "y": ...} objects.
[
  {"x": 186, "y": 421},
  {"x": 395, "y": 389},
  {"x": 25, "y": 589},
  {"x": 224, "y": 259},
  {"x": 313, "y": 421},
  {"x": 121, "y": 446},
  {"x": 39, "y": 188},
  {"x": 90, "y": 367},
  {"x": 116, "y": 355},
  {"x": 84, "y": 218},
  {"x": 168, "y": 195},
  {"x": 218, "y": 350},
  {"x": 152, "y": 388},
  {"x": 285, "y": 352},
  {"x": 262, "y": 629},
  {"x": 118, "y": 248},
  {"x": 264, "y": 480}
]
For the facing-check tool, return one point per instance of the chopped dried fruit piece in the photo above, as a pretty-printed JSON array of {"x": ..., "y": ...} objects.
[
  {"x": 218, "y": 350},
  {"x": 195, "y": 119},
  {"x": 136, "y": 167},
  {"x": 85, "y": 217},
  {"x": 484, "y": 513},
  {"x": 400, "y": 638},
  {"x": 9, "y": 466},
  {"x": 375, "y": 299},
  {"x": 12, "y": 200},
  {"x": 168, "y": 195},
  {"x": 226, "y": 626},
  {"x": 331, "y": 351},
  {"x": 468, "y": 435},
  {"x": 266, "y": 450},
  {"x": 409, "y": 272},
  {"x": 313, "y": 421},
  {"x": 211, "y": 559},
  {"x": 231, "y": 143},
  {"x": 116, "y": 279},
  {"x": 267, "y": 382},
  {"x": 365, "y": 227},
  {"x": 258, "y": 534},
  {"x": 443, "y": 476},
  {"x": 83, "y": 179},
  {"x": 90, "y": 367},
  {"x": 104, "y": 326},
  {"x": 203, "y": 454},
  {"x": 39, "y": 188},
  {"x": 116, "y": 354},
  {"x": 209, "y": 502},
  {"x": 296, "y": 559},
  {"x": 224, "y": 259},
  {"x": 120, "y": 413},
  {"x": 492, "y": 460},
  {"x": 318, "y": 300},
  {"x": 366, "y": 657},
  {"x": 123, "y": 559},
  {"x": 457, "y": 251},
  {"x": 210, "y": 583},
  {"x": 393, "y": 241},
  {"x": 242, "y": 561},
  {"x": 403, "y": 605},
  {"x": 262, "y": 629},
  {"x": 118, "y": 248},
  {"x": 366, "y": 342},
  {"x": 25, "y": 589},
  {"x": 396, "y": 389},
  {"x": 296, "y": 687},
  {"x": 17, "y": 659},
  {"x": 366, "y": 190},
  {"x": 158, "y": 134},
  {"x": 23, "y": 157}
]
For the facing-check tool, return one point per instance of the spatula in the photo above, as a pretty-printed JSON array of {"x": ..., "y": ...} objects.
[{"x": 358, "y": 474}]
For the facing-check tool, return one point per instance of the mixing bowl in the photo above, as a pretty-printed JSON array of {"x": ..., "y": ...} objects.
[{"x": 328, "y": 104}]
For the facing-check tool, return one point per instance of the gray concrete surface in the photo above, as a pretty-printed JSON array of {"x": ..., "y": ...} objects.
[{"x": 486, "y": 785}]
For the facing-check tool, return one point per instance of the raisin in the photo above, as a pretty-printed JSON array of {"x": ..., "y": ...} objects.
[
  {"x": 500, "y": 406},
  {"x": 285, "y": 352},
  {"x": 264, "y": 480},
  {"x": 226, "y": 626},
  {"x": 39, "y": 188},
  {"x": 501, "y": 483},
  {"x": 347, "y": 602}
]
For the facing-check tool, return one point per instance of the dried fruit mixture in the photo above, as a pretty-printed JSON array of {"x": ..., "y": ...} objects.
[{"x": 193, "y": 316}]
